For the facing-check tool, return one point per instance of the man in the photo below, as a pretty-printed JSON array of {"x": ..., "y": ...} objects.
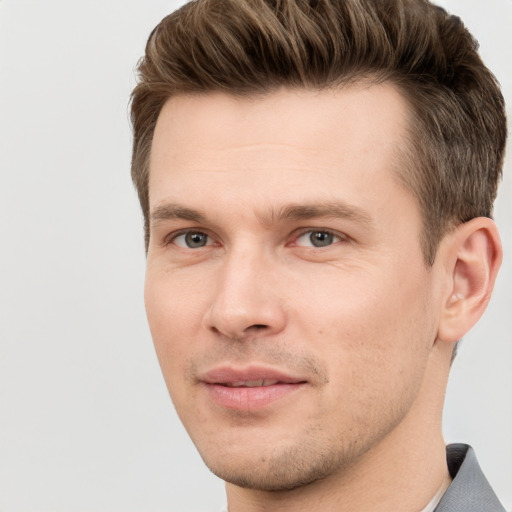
[{"x": 317, "y": 181}]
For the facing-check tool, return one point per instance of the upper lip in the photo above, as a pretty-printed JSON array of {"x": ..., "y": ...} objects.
[{"x": 234, "y": 375}]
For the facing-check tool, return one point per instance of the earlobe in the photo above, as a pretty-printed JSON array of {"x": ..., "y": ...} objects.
[{"x": 474, "y": 257}]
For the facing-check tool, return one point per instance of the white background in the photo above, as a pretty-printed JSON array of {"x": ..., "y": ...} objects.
[{"x": 86, "y": 423}]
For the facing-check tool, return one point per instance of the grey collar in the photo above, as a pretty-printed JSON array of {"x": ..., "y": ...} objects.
[{"x": 469, "y": 491}]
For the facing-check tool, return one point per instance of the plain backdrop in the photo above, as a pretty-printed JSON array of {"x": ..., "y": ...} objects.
[{"x": 86, "y": 423}]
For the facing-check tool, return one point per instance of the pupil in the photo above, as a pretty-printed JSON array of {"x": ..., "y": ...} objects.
[
  {"x": 195, "y": 239},
  {"x": 321, "y": 238}
]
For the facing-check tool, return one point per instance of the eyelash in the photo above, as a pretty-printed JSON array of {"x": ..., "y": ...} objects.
[
  {"x": 333, "y": 234},
  {"x": 171, "y": 239}
]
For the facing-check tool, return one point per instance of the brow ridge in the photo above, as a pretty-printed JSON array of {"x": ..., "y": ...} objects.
[
  {"x": 171, "y": 211},
  {"x": 333, "y": 209},
  {"x": 294, "y": 212}
]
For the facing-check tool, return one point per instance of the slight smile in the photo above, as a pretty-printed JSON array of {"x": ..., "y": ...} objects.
[{"x": 251, "y": 388}]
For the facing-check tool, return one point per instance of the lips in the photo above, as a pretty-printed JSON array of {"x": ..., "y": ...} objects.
[
  {"x": 249, "y": 389},
  {"x": 252, "y": 383}
]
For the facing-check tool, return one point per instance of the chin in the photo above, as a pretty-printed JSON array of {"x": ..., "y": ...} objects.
[{"x": 284, "y": 471}]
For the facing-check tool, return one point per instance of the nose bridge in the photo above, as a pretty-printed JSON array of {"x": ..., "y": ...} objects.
[{"x": 245, "y": 300}]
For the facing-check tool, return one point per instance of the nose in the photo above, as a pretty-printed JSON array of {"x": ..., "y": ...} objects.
[{"x": 246, "y": 300}]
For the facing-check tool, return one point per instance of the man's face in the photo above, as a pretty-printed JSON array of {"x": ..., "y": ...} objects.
[{"x": 286, "y": 292}]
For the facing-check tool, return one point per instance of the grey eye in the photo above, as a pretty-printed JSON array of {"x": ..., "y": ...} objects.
[
  {"x": 192, "y": 240},
  {"x": 317, "y": 238},
  {"x": 321, "y": 238}
]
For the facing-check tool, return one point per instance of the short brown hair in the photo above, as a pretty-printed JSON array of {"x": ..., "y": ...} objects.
[{"x": 246, "y": 47}]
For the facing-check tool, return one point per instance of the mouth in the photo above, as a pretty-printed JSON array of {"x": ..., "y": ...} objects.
[
  {"x": 251, "y": 383},
  {"x": 249, "y": 389}
]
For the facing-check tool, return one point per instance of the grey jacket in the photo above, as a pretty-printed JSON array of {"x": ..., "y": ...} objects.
[{"x": 469, "y": 491}]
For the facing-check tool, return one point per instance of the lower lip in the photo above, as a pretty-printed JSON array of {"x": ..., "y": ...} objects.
[{"x": 250, "y": 399}]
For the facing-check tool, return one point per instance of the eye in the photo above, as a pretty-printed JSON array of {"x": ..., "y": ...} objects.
[
  {"x": 192, "y": 240},
  {"x": 317, "y": 238}
]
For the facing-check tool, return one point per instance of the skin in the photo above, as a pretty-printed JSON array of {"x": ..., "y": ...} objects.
[{"x": 363, "y": 324}]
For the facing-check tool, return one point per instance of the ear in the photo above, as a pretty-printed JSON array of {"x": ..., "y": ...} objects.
[{"x": 473, "y": 255}]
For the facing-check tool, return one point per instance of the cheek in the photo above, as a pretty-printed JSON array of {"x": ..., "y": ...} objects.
[
  {"x": 174, "y": 311},
  {"x": 376, "y": 349},
  {"x": 374, "y": 326}
]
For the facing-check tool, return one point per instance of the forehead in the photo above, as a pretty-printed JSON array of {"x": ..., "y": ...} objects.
[{"x": 297, "y": 142}]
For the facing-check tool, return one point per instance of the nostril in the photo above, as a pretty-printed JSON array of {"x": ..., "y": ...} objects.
[{"x": 247, "y": 331}]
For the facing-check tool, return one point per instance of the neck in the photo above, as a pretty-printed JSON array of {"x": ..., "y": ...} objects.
[{"x": 401, "y": 473}]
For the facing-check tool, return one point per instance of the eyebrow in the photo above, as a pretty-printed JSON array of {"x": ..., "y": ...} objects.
[
  {"x": 174, "y": 211},
  {"x": 337, "y": 209}
]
